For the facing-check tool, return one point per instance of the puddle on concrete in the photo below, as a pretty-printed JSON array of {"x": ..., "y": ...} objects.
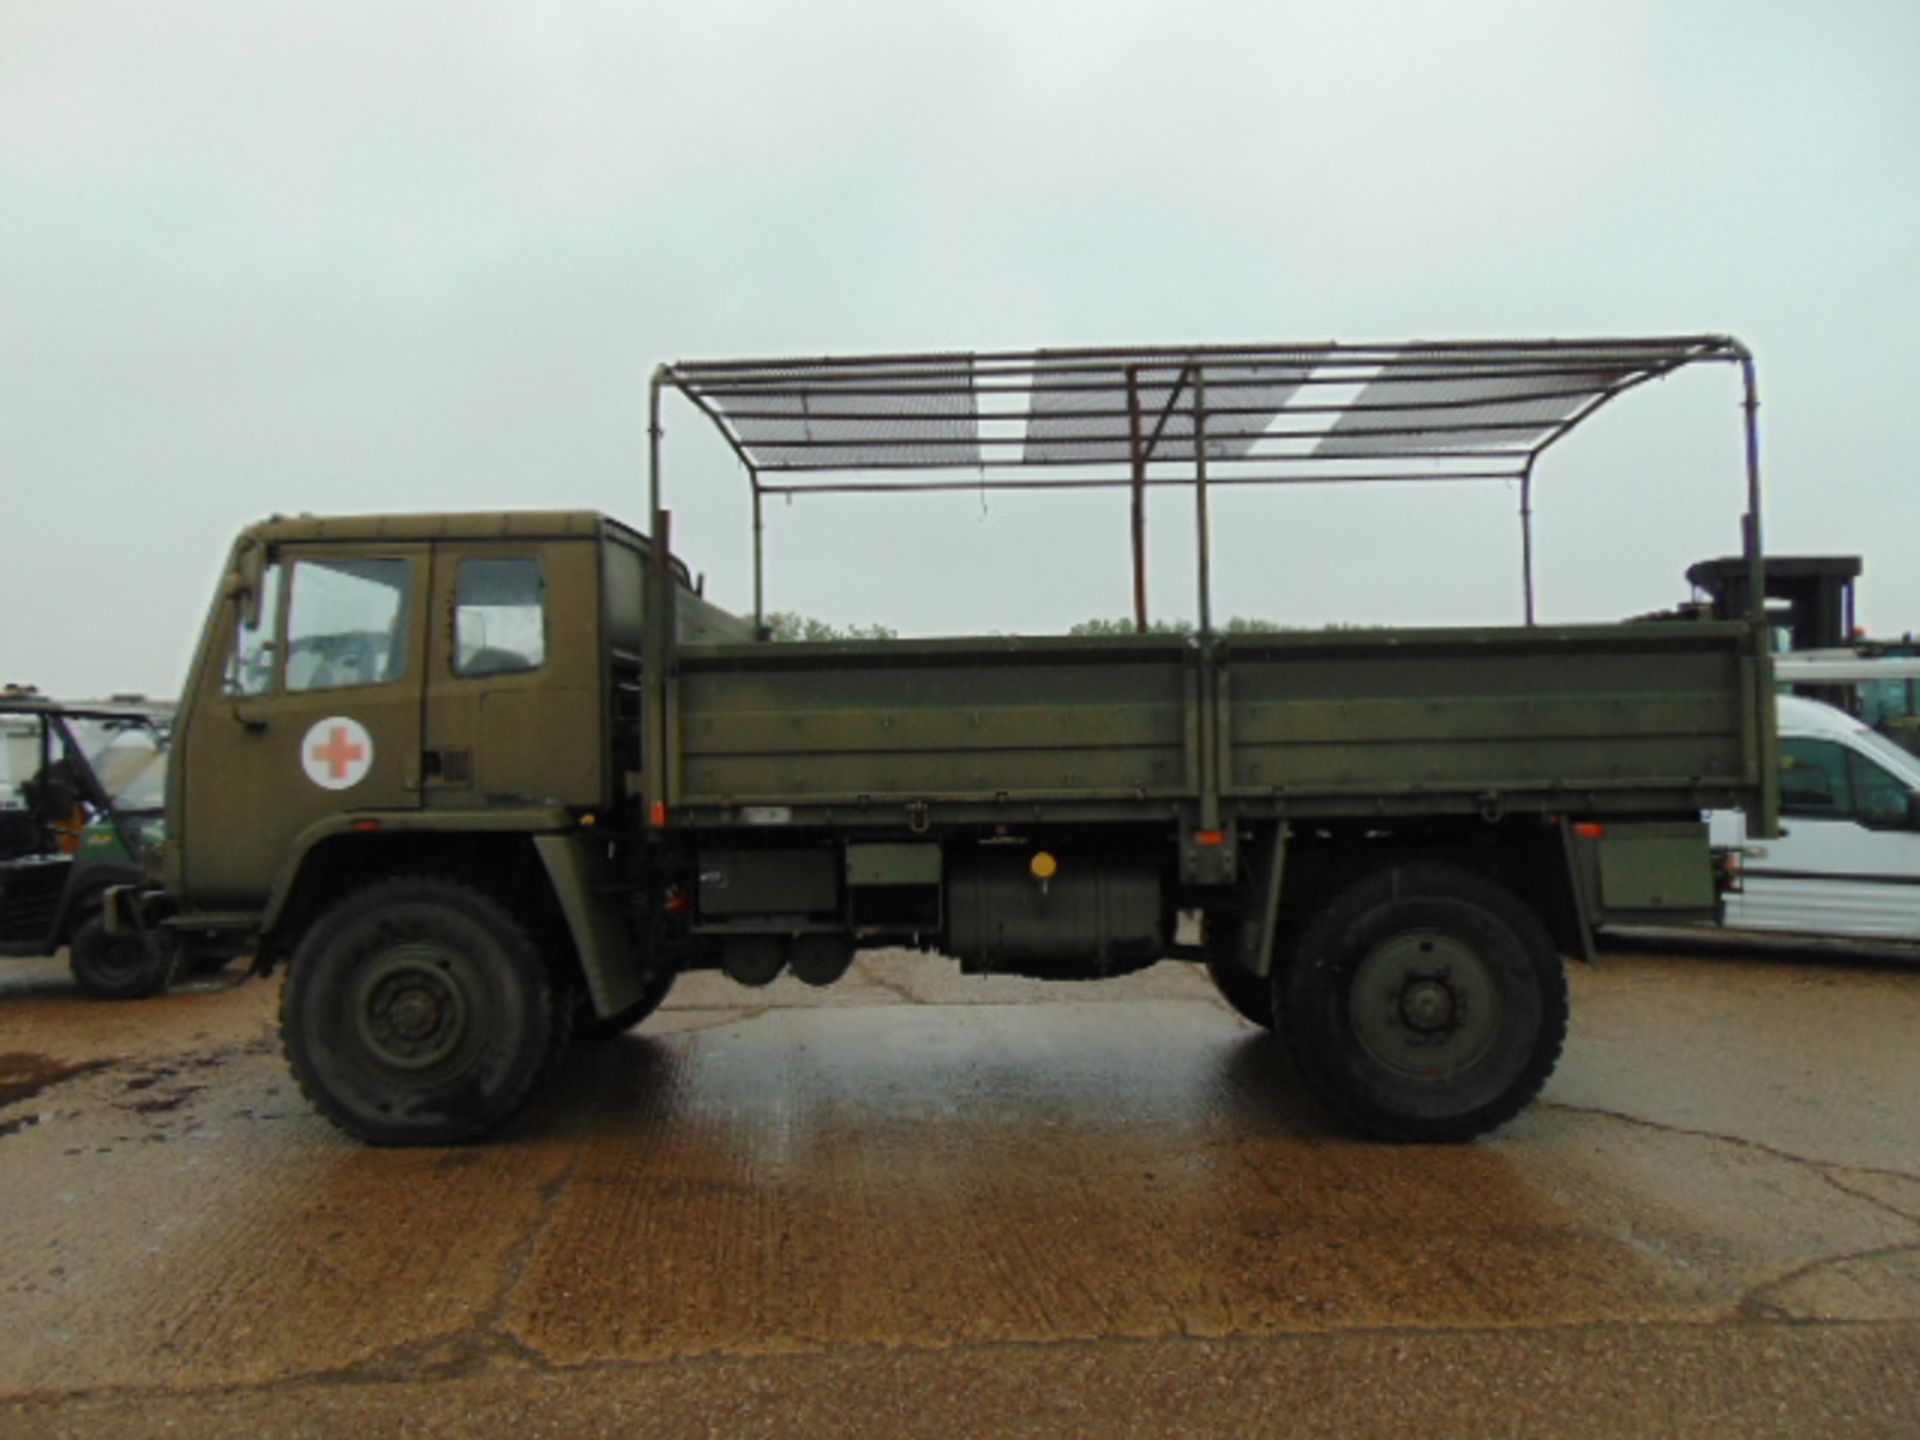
[{"x": 22, "y": 1076}]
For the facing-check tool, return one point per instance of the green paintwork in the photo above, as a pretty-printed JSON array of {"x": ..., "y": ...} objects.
[
  {"x": 768, "y": 882},
  {"x": 827, "y": 783},
  {"x": 1654, "y": 869},
  {"x": 363, "y": 825},
  {"x": 577, "y": 868},
  {"x": 893, "y": 865},
  {"x": 100, "y": 844},
  {"x": 1625, "y": 718}
]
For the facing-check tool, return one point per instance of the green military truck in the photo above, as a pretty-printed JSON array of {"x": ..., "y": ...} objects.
[{"x": 480, "y": 781}]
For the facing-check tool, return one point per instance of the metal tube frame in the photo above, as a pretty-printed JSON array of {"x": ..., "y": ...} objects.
[
  {"x": 1139, "y": 480},
  {"x": 1590, "y": 373}
]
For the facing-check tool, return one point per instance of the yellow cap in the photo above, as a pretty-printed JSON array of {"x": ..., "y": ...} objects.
[{"x": 1043, "y": 865}]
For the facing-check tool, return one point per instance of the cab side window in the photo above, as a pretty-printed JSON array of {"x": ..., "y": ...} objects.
[
  {"x": 1825, "y": 778},
  {"x": 250, "y": 662},
  {"x": 1813, "y": 779},
  {"x": 347, "y": 623},
  {"x": 499, "y": 617}
]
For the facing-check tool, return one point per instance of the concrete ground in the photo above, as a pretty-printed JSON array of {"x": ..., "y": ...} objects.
[{"x": 918, "y": 1204}]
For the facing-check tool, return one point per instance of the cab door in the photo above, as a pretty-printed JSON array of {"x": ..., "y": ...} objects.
[
  {"x": 311, "y": 709},
  {"x": 513, "y": 677}
]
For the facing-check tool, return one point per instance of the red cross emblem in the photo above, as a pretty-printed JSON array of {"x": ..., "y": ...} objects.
[{"x": 337, "y": 753}]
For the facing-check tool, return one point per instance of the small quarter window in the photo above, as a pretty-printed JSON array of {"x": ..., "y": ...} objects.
[
  {"x": 499, "y": 617},
  {"x": 250, "y": 664}
]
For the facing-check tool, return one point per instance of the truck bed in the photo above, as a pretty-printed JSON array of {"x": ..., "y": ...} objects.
[{"x": 1589, "y": 719}]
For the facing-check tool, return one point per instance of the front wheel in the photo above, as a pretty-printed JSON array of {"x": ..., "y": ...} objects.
[
  {"x": 116, "y": 967},
  {"x": 1425, "y": 1004},
  {"x": 417, "y": 1011}
]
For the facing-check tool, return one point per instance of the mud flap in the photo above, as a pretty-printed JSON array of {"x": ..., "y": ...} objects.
[
  {"x": 1643, "y": 873},
  {"x": 586, "y": 890}
]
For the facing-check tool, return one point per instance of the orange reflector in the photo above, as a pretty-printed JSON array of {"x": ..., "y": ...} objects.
[
  {"x": 1587, "y": 830},
  {"x": 366, "y": 825},
  {"x": 588, "y": 820},
  {"x": 1209, "y": 837},
  {"x": 657, "y": 817}
]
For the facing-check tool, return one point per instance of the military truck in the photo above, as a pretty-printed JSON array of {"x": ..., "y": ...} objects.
[{"x": 480, "y": 782}]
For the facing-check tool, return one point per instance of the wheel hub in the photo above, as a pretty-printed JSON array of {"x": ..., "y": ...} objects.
[
  {"x": 1429, "y": 1005},
  {"x": 412, "y": 1010},
  {"x": 414, "y": 1015},
  {"x": 1424, "y": 1004}
]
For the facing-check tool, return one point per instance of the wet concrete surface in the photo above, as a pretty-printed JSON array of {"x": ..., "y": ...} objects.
[{"x": 922, "y": 1203}]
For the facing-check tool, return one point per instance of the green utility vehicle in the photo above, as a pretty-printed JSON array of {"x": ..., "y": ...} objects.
[
  {"x": 481, "y": 780},
  {"x": 81, "y": 789}
]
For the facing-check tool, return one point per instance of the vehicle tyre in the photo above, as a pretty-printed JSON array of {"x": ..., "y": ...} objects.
[
  {"x": 116, "y": 967},
  {"x": 1249, "y": 994},
  {"x": 588, "y": 1027},
  {"x": 1424, "y": 1004},
  {"x": 417, "y": 1011}
]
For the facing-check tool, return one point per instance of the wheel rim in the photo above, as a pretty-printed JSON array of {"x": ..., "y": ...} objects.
[
  {"x": 1425, "y": 1005},
  {"x": 412, "y": 1008},
  {"x": 120, "y": 959}
]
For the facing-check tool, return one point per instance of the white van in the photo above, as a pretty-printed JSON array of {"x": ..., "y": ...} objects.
[{"x": 1848, "y": 860}]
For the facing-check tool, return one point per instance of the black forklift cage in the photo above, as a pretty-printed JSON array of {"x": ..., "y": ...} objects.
[
  {"x": 1193, "y": 417},
  {"x": 55, "y": 729}
]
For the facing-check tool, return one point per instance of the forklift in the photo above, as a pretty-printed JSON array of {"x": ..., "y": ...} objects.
[{"x": 82, "y": 794}]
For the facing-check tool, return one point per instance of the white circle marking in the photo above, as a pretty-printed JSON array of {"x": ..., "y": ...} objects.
[{"x": 337, "y": 753}]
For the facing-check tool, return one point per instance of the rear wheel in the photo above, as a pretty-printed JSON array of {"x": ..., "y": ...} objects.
[
  {"x": 417, "y": 1012},
  {"x": 116, "y": 967},
  {"x": 1425, "y": 1004}
]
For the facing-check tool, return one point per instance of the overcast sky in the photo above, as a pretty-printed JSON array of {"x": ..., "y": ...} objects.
[{"x": 343, "y": 257}]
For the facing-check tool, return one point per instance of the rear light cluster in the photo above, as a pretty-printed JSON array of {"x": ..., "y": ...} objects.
[{"x": 1726, "y": 872}]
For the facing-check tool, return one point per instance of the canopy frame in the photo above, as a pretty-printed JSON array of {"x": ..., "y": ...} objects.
[{"x": 1194, "y": 417}]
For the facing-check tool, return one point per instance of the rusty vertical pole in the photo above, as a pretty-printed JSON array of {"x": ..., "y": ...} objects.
[
  {"x": 759, "y": 558},
  {"x": 1526, "y": 537},
  {"x": 656, "y": 624},
  {"x": 1212, "y": 683},
  {"x": 1756, "y": 550},
  {"x": 1204, "y": 550},
  {"x": 1766, "y": 823},
  {"x": 1139, "y": 457}
]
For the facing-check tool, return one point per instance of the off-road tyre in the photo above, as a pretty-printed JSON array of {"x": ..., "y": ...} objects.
[
  {"x": 1424, "y": 1004},
  {"x": 589, "y": 1028},
  {"x": 417, "y": 1011},
  {"x": 1250, "y": 995},
  {"x": 116, "y": 967}
]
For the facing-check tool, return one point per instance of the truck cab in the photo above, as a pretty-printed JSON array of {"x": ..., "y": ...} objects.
[{"x": 383, "y": 675}]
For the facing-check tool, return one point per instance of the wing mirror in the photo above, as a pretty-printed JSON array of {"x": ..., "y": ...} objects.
[{"x": 246, "y": 581}]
